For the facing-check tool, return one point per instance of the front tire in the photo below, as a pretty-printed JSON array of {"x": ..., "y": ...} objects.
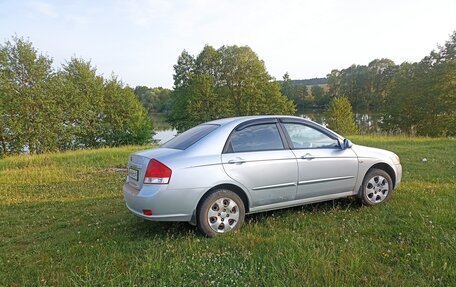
[
  {"x": 376, "y": 188},
  {"x": 220, "y": 212}
]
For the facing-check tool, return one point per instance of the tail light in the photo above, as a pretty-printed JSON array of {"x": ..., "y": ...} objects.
[{"x": 157, "y": 173}]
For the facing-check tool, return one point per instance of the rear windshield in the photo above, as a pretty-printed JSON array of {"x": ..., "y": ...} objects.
[{"x": 189, "y": 137}]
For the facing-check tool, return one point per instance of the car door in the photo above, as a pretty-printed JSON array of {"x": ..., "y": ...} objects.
[
  {"x": 324, "y": 168},
  {"x": 256, "y": 157}
]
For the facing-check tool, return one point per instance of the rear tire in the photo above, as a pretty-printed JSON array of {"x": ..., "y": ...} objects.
[
  {"x": 220, "y": 212},
  {"x": 377, "y": 187}
]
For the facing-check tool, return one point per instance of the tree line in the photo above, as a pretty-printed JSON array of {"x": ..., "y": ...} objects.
[
  {"x": 46, "y": 109},
  {"x": 413, "y": 98},
  {"x": 305, "y": 96}
]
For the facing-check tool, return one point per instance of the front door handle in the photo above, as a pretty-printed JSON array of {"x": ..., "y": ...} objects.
[
  {"x": 237, "y": 160},
  {"x": 307, "y": 156}
]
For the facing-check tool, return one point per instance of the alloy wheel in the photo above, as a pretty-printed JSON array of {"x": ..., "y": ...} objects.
[
  {"x": 377, "y": 189},
  {"x": 223, "y": 215}
]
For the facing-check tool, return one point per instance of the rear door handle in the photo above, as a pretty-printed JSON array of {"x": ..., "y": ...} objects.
[
  {"x": 237, "y": 160},
  {"x": 307, "y": 156}
]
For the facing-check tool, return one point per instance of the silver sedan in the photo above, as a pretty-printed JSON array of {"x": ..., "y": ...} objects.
[{"x": 215, "y": 173}]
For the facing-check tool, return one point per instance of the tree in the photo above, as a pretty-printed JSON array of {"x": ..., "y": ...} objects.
[
  {"x": 286, "y": 87},
  {"x": 321, "y": 98},
  {"x": 248, "y": 85},
  {"x": 339, "y": 116},
  {"x": 229, "y": 81},
  {"x": 46, "y": 110},
  {"x": 441, "y": 67},
  {"x": 208, "y": 63},
  {"x": 30, "y": 113},
  {"x": 401, "y": 101},
  {"x": 353, "y": 85},
  {"x": 204, "y": 103},
  {"x": 99, "y": 112},
  {"x": 155, "y": 100},
  {"x": 363, "y": 85},
  {"x": 379, "y": 74},
  {"x": 183, "y": 69},
  {"x": 84, "y": 92},
  {"x": 304, "y": 99},
  {"x": 124, "y": 119},
  {"x": 334, "y": 79},
  {"x": 297, "y": 93},
  {"x": 447, "y": 89},
  {"x": 421, "y": 97}
]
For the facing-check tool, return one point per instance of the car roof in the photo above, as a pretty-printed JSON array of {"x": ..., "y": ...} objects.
[
  {"x": 247, "y": 118},
  {"x": 212, "y": 143}
]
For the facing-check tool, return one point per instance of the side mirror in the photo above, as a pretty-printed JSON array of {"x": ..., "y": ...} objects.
[{"x": 346, "y": 144}]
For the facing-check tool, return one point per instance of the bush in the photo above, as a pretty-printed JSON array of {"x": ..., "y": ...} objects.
[
  {"x": 339, "y": 116},
  {"x": 43, "y": 110}
]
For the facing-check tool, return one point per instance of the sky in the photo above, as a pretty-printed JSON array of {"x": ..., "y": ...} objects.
[{"x": 141, "y": 40}]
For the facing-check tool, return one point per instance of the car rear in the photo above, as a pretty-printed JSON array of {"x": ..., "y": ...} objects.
[
  {"x": 149, "y": 191},
  {"x": 147, "y": 180}
]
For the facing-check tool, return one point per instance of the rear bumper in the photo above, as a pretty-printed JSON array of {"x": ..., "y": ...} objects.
[
  {"x": 166, "y": 205},
  {"x": 167, "y": 217}
]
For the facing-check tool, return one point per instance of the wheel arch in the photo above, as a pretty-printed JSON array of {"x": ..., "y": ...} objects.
[
  {"x": 234, "y": 188},
  {"x": 385, "y": 167}
]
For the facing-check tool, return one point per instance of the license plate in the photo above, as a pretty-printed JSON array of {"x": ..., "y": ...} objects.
[{"x": 133, "y": 173}]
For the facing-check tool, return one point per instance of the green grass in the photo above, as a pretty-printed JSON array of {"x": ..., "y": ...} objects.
[{"x": 63, "y": 223}]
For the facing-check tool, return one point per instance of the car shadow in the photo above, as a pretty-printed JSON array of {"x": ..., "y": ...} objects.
[
  {"x": 142, "y": 229},
  {"x": 145, "y": 229},
  {"x": 319, "y": 207}
]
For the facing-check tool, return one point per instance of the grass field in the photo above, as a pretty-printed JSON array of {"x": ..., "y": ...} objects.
[{"x": 63, "y": 223}]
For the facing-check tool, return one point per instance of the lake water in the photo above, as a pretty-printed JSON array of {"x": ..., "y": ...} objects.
[
  {"x": 367, "y": 123},
  {"x": 161, "y": 137}
]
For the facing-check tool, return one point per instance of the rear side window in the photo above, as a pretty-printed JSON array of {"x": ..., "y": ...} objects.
[
  {"x": 189, "y": 137},
  {"x": 255, "y": 138}
]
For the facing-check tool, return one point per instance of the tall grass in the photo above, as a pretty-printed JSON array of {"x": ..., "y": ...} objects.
[{"x": 63, "y": 223}]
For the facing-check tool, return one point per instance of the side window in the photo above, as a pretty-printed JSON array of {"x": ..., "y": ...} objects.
[
  {"x": 256, "y": 138},
  {"x": 306, "y": 137}
]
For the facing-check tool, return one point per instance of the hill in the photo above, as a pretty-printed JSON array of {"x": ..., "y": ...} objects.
[{"x": 309, "y": 82}]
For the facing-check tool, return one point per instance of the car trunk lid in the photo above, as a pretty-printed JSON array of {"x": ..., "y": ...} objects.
[{"x": 138, "y": 161}]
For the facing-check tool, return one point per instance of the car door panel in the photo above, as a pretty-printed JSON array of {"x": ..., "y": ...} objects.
[
  {"x": 269, "y": 176},
  {"x": 325, "y": 171},
  {"x": 324, "y": 168},
  {"x": 256, "y": 156}
]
